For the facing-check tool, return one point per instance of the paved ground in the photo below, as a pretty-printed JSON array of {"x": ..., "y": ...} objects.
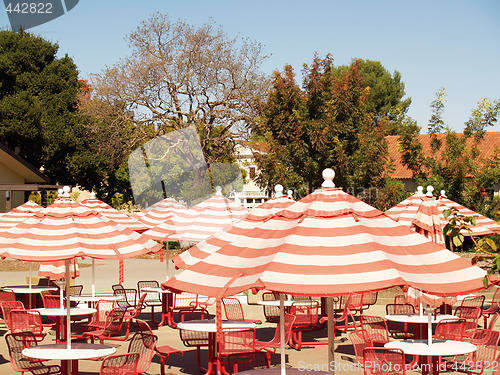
[{"x": 313, "y": 357}]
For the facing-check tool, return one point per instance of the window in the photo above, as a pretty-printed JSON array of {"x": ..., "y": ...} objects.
[{"x": 251, "y": 173}]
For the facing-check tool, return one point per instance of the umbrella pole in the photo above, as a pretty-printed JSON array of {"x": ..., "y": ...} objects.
[
  {"x": 93, "y": 277},
  {"x": 331, "y": 336},
  {"x": 282, "y": 334},
  {"x": 167, "y": 260},
  {"x": 68, "y": 318}
]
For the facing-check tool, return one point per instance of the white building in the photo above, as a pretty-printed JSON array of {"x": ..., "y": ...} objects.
[{"x": 251, "y": 196}]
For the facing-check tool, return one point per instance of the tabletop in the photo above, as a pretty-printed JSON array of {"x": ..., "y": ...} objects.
[
  {"x": 153, "y": 289},
  {"x": 26, "y": 289},
  {"x": 437, "y": 347},
  {"x": 57, "y": 311},
  {"x": 208, "y": 325},
  {"x": 276, "y": 302},
  {"x": 78, "y": 350},
  {"x": 416, "y": 318}
]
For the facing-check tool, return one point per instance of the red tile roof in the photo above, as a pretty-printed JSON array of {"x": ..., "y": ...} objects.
[{"x": 489, "y": 147}]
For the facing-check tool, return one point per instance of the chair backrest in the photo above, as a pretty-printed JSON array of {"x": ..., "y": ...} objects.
[
  {"x": 75, "y": 290},
  {"x": 471, "y": 315},
  {"x": 26, "y": 321},
  {"x": 233, "y": 309},
  {"x": 184, "y": 301},
  {"x": 450, "y": 329},
  {"x": 7, "y": 295},
  {"x": 143, "y": 326},
  {"x": 383, "y": 361},
  {"x": 237, "y": 341},
  {"x": 360, "y": 340},
  {"x": 100, "y": 317},
  {"x": 16, "y": 342},
  {"x": 129, "y": 297},
  {"x": 399, "y": 308},
  {"x": 376, "y": 327},
  {"x": 151, "y": 298},
  {"x": 474, "y": 301},
  {"x": 7, "y": 307},
  {"x": 144, "y": 344},
  {"x": 289, "y": 320},
  {"x": 486, "y": 342},
  {"x": 120, "y": 364},
  {"x": 51, "y": 300},
  {"x": 306, "y": 314},
  {"x": 136, "y": 311},
  {"x": 114, "y": 321},
  {"x": 369, "y": 299},
  {"x": 116, "y": 287},
  {"x": 194, "y": 338},
  {"x": 272, "y": 313}
]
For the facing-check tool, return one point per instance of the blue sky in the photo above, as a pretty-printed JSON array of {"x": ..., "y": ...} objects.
[{"x": 453, "y": 44}]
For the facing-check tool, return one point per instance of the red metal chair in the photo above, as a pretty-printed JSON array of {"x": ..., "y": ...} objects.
[
  {"x": 398, "y": 330},
  {"x": 27, "y": 321},
  {"x": 471, "y": 314},
  {"x": 234, "y": 310},
  {"x": 99, "y": 318},
  {"x": 450, "y": 329},
  {"x": 152, "y": 299},
  {"x": 132, "y": 313},
  {"x": 377, "y": 329},
  {"x": 16, "y": 342},
  {"x": 272, "y": 313},
  {"x": 162, "y": 351},
  {"x": 111, "y": 329},
  {"x": 7, "y": 307},
  {"x": 383, "y": 361},
  {"x": 120, "y": 364},
  {"x": 6, "y": 295},
  {"x": 483, "y": 358},
  {"x": 144, "y": 344},
  {"x": 239, "y": 342},
  {"x": 275, "y": 343},
  {"x": 360, "y": 340},
  {"x": 182, "y": 304},
  {"x": 195, "y": 339},
  {"x": 306, "y": 319},
  {"x": 492, "y": 308},
  {"x": 128, "y": 297}
]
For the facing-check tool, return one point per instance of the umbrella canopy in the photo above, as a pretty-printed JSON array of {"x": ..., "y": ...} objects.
[
  {"x": 484, "y": 225},
  {"x": 159, "y": 212},
  {"x": 113, "y": 214},
  {"x": 204, "y": 219},
  {"x": 56, "y": 270},
  {"x": 66, "y": 230},
  {"x": 255, "y": 217},
  {"x": 18, "y": 214},
  {"x": 328, "y": 243}
]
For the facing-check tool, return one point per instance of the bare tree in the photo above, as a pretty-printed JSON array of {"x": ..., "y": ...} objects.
[{"x": 179, "y": 75}]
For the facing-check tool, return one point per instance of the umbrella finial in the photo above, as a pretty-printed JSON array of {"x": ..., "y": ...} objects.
[
  {"x": 218, "y": 190},
  {"x": 59, "y": 192},
  {"x": 443, "y": 194},
  {"x": 278, "y": 191},
  {"x": 66, "y": 190},
  {"x": 328, "y": 175},
  {"x": 92, "y": 195},
  {"x": 289, "y": 194},
  {"x": 420, "y": 190},
  {"x": 430, "y": 189}
]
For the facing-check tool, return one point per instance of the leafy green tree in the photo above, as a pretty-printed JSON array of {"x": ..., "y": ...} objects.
[{"x": 38, "y": 94}]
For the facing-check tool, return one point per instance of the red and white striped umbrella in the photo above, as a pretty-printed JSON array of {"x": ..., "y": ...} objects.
[
  {"x": 206, "y": 218},
  {"x": 327, "y": 244},
  {"x": 66, "y": 230},
  {"x": 484, "y": 225},
  {"x": 18, "y": 214},
  {"x": 255, "y": 217},
  {"x": 420, "y": 213},
  {"x": 56, "y": 270},
  {"x": 159, "y": 212},
  {"x": 115, "y": 215}
]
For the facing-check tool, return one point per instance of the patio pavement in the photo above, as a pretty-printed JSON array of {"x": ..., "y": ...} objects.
[{"x": 312, "y": 357}]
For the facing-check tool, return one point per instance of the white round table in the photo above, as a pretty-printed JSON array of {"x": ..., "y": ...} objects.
[
  {"x": 438, "y": 348},
  {"x": 59, "y": 313},
  {"x": 417, "y": 318},
  {"x": 78, "y": 350},
  {"x": 92, "y": 299}
]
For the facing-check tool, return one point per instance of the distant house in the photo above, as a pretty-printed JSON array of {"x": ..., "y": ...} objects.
[
  {"x": 489, "y": 147},
  {"x": 251, "y": 195},
  {"x": 17, "y": 177}
]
